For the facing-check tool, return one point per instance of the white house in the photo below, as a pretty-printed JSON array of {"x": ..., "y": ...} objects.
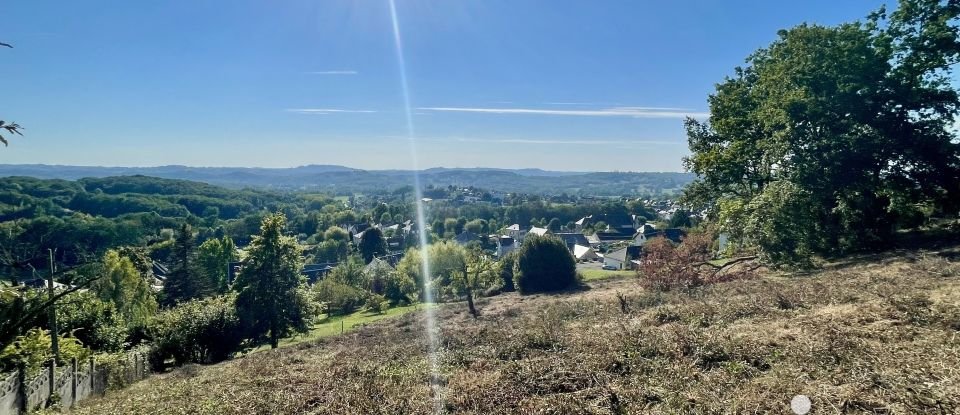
[
  {"x": 621, "y": 259},
  {"x": 539, "y": 231},
  {"x": 584, "y": 253}
]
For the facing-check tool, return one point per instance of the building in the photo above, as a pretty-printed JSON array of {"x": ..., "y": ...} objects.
[
  {"x": 621, "y": 258},
  {"x": 516, "y": 232},
  {"x": 539, "y": 231},
  {"x": 572, "y": 239},
  {"x": 505, "y": 244},
  {"x": 584, "y": 253}
]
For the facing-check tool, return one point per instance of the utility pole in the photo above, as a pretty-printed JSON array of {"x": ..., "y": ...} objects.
[{"x": 54, "y": 331}]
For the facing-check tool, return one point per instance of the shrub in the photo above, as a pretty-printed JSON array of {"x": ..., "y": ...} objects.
[
  {"x": 33, "y": 349},
  {"x": 544, "y": 264},
  {"x": 666, "y": 267},
  {"x": 506, "y": 270},
  {"x": 94, "y": 322},
  {"x": 340, "y": 298},
  {"x": 199, "y": 331},
  {"x": 377, "y": 303}
]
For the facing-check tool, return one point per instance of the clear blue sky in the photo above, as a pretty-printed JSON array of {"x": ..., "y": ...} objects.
[{"x": 554, "y": 84}]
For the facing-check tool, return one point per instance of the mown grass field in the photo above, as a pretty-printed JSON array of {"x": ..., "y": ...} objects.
[
  {"x": 336, "y": 325},
  {"x": 869, "y": 335},
  {"x": 602, "y": 274}
]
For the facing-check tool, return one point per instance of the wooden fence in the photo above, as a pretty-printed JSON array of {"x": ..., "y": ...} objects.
[{"x": 66, "y": 385}]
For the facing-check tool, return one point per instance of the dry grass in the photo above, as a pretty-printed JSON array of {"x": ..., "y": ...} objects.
[{"x": 864, "y": 337}]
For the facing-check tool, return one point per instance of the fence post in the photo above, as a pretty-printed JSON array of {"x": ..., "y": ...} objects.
[
  {"x": 52, "y": 378},
  {"x": 93, "y": 379},
  {"x": 22, "y": 391},
  {"x": 73, "y": 381}
]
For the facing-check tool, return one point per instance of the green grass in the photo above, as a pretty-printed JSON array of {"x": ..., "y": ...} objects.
[
  {"x": 602, "y": 274},
  {"x": 335, "y": 325}
]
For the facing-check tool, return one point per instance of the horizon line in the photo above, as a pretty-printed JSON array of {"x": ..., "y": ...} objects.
[{"x": 325, "y": 165}]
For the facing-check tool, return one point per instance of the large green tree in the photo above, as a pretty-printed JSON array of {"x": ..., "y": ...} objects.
[
  {"x": 372, "y": 244},
  {"x": 271, "y": 298},
  {"x": 186, "y": 280},
  {"x": 122, "y": 285},
  {"x": 213, "y": 255},
  {"x": 832, "y": 137}
]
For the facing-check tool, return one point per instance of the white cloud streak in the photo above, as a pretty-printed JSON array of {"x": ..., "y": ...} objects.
[
  {"x": 342, "y": 72},
  {"x": 633, "y": 112},
  {"x": 571, "y": 141},
  {"x": 326, "y": 111}
]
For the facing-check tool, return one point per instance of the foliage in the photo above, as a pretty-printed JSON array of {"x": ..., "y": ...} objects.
[
  {"x": 372, "y": 244},
  {"x": 350, "y": 272},
  {"x": 507, "y": 263},
  {"x": 213, "y": 255},
  {"x": 271, "y": 300},
  {"x": 377, "y": 303},
  {"x": 122, "y": 286},
  {"x": 185, "y": 281},
  {"x": 34, "y": 349},
  {"x": 12, "y": 128},
  {"x": 666, "y": 266},
  {"x": 339, "y": 298},
  {"x": 95, "y": 323},
  {"x": 832, "y": 137},
  {"x": 544, "y": 264},
  {"x": 196, "y": 331}
]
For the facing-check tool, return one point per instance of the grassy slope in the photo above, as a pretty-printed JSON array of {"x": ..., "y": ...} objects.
[
  {"x": 601, "y": 274},
  {"x": 341, "y": 324},
  {"x": 866, "y": 336}
]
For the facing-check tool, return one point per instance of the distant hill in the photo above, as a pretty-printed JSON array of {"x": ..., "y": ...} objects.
[{"x": 340, "y": 179}]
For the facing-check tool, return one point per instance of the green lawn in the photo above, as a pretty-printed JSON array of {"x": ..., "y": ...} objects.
[
  {"x": 602, "y": 274},
  {"x": 333, "y": 325}
]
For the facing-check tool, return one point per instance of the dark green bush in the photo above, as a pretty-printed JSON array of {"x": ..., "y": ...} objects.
[
  {"x": 340, "y": 298},
  {"x": 544, "y": 264},
  {"x": 199, "y": 331}
]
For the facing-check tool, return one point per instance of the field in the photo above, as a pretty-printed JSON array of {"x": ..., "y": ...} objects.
[{"x": 868, "y": 335}]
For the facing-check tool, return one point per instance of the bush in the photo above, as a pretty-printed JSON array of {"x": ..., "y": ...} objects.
[
  {"x": 377, "y": 303},
  {"x": 340, "y": 298},
  {"x": 199, "y": 331},
  {"x": 666, "y": 267},
  {"x": 94, "y": 322},
  {"x": 506, "y": 270},
  {"x": 544, "y": 264},
  {"x": 33, "y": 349}
]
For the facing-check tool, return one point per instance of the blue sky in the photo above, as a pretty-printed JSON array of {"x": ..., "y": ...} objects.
[{"x": 553, "y": 84}]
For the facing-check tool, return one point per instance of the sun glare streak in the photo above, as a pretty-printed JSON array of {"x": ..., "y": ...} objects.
[{"x": 429, "y": 314}]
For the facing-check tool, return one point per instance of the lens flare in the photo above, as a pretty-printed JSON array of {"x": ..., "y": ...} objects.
[{"x": 429, "y": 311}]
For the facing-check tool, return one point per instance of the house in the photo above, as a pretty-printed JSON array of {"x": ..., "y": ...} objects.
[
  {"x": 376, "y": 265},
  {"x": 505, "y": 244},
  {"x": 675, "y": 235},
  {"x": 572, "y": 239},
  {"x": 616, "y": 222},
  {"x": 609, "y": 237},
  {"x": 584, "y": 253},
  {"x": 466, "y": 237},
  {"x": 644, "y": 233},
  {"x": 594, "y": 241},
  {"x": 621, "y": 258},
  {"x": 316, "y": 272},
  {"x": 539, "y": 231},
  {"x": 514, "y": 231}
]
